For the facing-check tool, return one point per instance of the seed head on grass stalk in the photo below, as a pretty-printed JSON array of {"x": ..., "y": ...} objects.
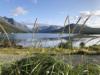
[
  {"x": 35, "y": 29},
  {"x": 86, "y": 69},
  {"x": 82, "y": 27},
  {"x": 63, "y": 45},
  {"x": 5, "y": 34},
  {"x": 88, "y": 17},
  {"x": 66, "y": 19},
  {"x": 76, "y": 25}
]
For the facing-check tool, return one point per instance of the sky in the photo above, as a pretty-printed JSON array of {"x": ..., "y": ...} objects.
[{"x": 51, "y": 11}]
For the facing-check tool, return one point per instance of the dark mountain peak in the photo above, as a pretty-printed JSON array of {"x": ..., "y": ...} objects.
[
  {"x": 10, "y": 20},
  {"x": 11, "y": 23},
  {"x": 71, "y": 25},
  {"x": 83, "y": 29},
  {"x": 77, "y": 26}
]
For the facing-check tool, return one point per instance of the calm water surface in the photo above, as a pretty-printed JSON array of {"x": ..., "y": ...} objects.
[
  {"x": 40, "y": 39},
  {"x": 51, "y": 40}
]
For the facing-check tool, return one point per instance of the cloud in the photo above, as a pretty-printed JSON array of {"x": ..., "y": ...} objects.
[
  {"x": 85, "y": 13},
  {"x": 94, "y": 21},
  {"x": 92, "y": 13},
  {"x": 19, "y": 11},
  {"x": 97, "y": 13}
]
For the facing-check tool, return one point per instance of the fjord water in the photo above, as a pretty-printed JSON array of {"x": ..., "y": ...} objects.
[
  {"x": 51, "y": 40},
  {"x": 40, "y": 39}
]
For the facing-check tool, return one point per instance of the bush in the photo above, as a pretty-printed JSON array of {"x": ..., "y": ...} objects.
[
  {"x": 67, "y": 45},
  {"x": 82, "y": 45},
  {"x": 95, "y": 47}
]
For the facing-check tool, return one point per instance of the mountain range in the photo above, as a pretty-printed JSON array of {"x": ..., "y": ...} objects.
[
  {"x": 84, "y": 29},
  {"x": 45, "y": 28},
  {"x": 10, "y": 25}
]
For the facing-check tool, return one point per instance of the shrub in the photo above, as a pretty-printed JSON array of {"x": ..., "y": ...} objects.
[
  {"x": 82, "y": 45},
  {"x": 67, "y": 45},
  {"x": 95, "y": 47}
]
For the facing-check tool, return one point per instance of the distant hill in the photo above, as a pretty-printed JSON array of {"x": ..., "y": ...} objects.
[
  {"x": 45, "y": 28},
  {"x": 85, "y": 30},
  {"x": 10, "y": 25},
  {"x": 48, "y": 29}
]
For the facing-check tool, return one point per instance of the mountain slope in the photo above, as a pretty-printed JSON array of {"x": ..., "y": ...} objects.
[
  {"x": 85, "y": 29},
  {"x": 49, "y": 29},
  {"x": 45, "y": 28},
  {"x": 16, "y": 24},
  {"x": 9, "y": 26}
]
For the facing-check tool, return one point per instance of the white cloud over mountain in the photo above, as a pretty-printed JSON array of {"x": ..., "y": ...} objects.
[
  {"x": 92, "y": 13},
  {"x": 94, "y": 20},
  {"x": 19, "y": 11}
]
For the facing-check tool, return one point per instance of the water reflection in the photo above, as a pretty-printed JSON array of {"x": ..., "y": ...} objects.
[{"x": 48, "y": 40}]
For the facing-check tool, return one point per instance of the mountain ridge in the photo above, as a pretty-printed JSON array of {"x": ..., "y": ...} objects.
[
  {"x": 11, "y": 26},
  {"x": 85, "y": 30}
]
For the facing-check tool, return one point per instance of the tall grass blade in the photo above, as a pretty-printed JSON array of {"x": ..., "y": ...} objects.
[
  {"x": 76, "y": 24},
  {"x": 88, "y": 17},
  {"x": 35, "y": 29},
  {"x": 5, "y": 34}
]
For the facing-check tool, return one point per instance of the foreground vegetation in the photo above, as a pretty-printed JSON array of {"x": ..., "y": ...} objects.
[
  {"x": 43, "y": 61},
  {"x": 26, "y": 51},
  {"x": 48, "y": 65}
]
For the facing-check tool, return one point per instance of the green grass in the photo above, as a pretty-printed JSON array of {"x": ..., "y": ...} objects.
[
  {"x": 37, "y": 65},
  {"x": 27, "y": 51},
  {"x": 95, "y": 47},
  {"x": 86, "y": 69},
  {"x": 43, "y": 64}
]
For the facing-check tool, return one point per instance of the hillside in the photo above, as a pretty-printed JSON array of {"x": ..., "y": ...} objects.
[
  {"x": 45, "y": 28},
  {"x": 48, "y": 29},
  {"x": 11, "y": 26},
  {"x": 85, "y": 30}
]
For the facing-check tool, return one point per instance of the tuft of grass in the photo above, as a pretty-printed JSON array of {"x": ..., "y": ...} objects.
[
  {"x": 95, "y": 48},
  {"x": 43, "y": 64},
  {"x": 86, "y": 69},
  {"x": 37, "y": 65}
]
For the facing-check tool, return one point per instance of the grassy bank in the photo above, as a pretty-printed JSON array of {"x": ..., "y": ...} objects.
[
  {"x": 15, "y": 61},
  {"x": 44, "y": 64},
  {"x": 27, "y": 51}
]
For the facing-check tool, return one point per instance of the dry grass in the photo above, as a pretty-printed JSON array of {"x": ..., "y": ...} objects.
[
  {"x": 29, "y": 51},
  {"x": 25, "y": 51}
]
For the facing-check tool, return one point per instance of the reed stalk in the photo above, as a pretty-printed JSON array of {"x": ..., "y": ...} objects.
[
  {"x": 5, "y": 34},
  {"x": 35, "y": 29},
  {"x": 76, "y": 25},
  {"x": 88, "y": 17}
]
